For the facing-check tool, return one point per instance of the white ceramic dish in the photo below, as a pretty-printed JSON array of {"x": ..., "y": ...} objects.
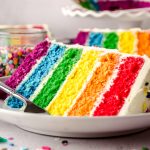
[
  {"x": 133, "y": 14},
  {"x": 87, "y": 127},
  {"x": 124, "y": 18},
  {"x": 83, "y": 127}
]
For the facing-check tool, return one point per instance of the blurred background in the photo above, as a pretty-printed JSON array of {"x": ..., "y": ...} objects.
[{"x": 49, "y": 12}]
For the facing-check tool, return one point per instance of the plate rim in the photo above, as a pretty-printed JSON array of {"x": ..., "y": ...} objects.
[{"x": 16, "y": 113}]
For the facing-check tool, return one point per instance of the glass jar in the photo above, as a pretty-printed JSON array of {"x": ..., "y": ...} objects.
[{"x": 15, "y": 45}]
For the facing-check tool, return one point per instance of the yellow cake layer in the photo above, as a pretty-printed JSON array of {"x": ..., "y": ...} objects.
[
  {"x": 127, "y": 42},
  {"x": 85, "y": 103},
  {"x": 74, "y": 83}
]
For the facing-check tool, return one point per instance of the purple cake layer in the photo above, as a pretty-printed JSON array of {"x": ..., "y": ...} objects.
[
  {"x": 115, "y": 5},
  {"x": 143, "y": 4},
  {"x": 81, "y": 38},
  {"x": 121, "y": 4},
  {"x": 39, "y": 51}
]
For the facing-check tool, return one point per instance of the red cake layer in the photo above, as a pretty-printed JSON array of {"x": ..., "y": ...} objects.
[{"x": 114, "y": 98}]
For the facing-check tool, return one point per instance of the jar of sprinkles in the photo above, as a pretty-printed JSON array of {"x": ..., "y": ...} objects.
[{"x": 15, "y": 45}]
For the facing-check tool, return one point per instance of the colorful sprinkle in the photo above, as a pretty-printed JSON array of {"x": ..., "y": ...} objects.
[
  {"x": 15, "y": 60},
  {"x": 146, "y": 84},
  {"x": 46, "y": 148},
  {"x": 11, "y": 144},
  {"x": 148, "y": 94},
  {"x": 20, "y": 53},
  {"x": 11, "y": 58},
  {"x": 65, "y": 142},
  {"x": 3, "y": 140},
  {"x": 9, "y": 55},
  {"x": 10, "y": 138},
  {"x": 24, "y": 148}
]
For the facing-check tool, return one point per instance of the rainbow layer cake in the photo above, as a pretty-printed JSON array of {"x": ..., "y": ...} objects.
[
  {"x": 80, "y": 81},
  {"x": 101, "y": 5},
  {"x": 132, "y": 41}
]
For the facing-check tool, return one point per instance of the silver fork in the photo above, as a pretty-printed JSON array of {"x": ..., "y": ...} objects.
[{"x": 27, "y": 107}]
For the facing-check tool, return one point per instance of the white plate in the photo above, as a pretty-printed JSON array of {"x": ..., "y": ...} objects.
[
  {"x": 124, "y": 18},
  {"x": 87, "y": 127},
  {"x": 132, "y": 14}
]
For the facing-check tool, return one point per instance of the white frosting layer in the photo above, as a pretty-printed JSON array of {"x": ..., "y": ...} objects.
[
  {"x": 32, "y": 70},
  {"x": 134, "y": 103},
  {"x": 107, "y": 30},
  {"x": 107, "y": 87},
  {"x": 44, "y": 81},
  {"x": 83, "y": 88},
  {"x": 61, "y": 88}
]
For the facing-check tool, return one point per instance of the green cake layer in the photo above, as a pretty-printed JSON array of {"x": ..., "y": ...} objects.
[
  {"x": 70, "y": 58},
  {"x": 111, "y": 40}
]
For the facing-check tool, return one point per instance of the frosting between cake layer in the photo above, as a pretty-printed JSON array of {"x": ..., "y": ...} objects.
[
  {"x": 74, "y": 83},
  {"x": 59, "y": 75},
  {"x": 39, "y": 51},
  {"x": 84, "y": 104},
  {"x": 39, "y": 71},
  {"x": 108, "y": 85},
  {"x": 143, "y": 77},
  {"x": 115, "y": 97},
  {"x": 83, "y": 88},
  {"x": 29, "y": 86},
  {"x": 85, "y": 81},
  {"x": 44, "y": 81}
]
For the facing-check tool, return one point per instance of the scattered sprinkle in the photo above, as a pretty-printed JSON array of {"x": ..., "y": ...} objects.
[
  {"x": 24, "y": 148},
  {"x": 11, "y": 144},
  {"x": 10, "y": 138},
  {"x": 145, "y": 148},
  {"x": 3, "y": 140},
  {"x": 148, "y": 94},
  {"x": 146, "y": 84},
  {"x": 65, "y": 142},
  {"x": 11, "y": 58},
  {"x": 46, "y": 148}
]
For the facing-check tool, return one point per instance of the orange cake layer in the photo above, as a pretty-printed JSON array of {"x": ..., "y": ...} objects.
[
  {"x": 84, "y": 104},
  {"x": 132, "y": 41},
  {"x": 144, "y": 43}
]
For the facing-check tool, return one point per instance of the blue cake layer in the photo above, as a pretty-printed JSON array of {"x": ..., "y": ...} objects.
[
  {"x": 28, "y": 87},
  {"x": 95, "y": 39}
]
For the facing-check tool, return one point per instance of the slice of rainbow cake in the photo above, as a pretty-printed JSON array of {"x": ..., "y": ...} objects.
[
  {"x": 132, "y": 41},
  {"x": 80, "y": 81}
]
